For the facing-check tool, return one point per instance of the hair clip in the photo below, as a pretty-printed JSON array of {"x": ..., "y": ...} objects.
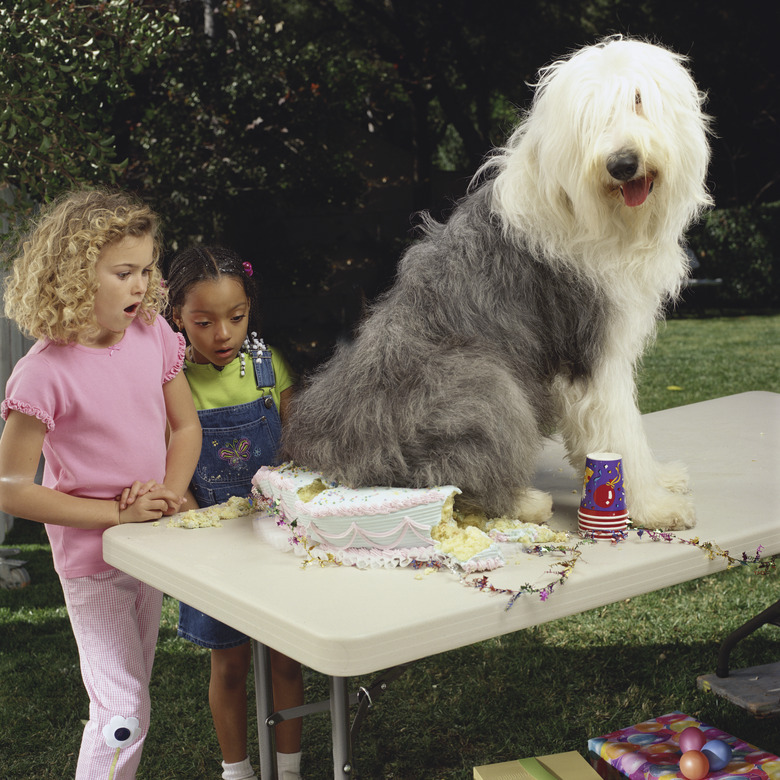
[{"x": 248, "y": 270}]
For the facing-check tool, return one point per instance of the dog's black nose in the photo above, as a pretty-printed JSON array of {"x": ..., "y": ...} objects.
[{"x": 623, "y": 166}]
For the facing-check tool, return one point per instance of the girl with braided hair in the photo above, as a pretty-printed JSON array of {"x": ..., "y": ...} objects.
[{"x": 241, "y": 389}]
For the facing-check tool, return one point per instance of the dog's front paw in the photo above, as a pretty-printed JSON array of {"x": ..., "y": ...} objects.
[{"x": 663, "y": 511}]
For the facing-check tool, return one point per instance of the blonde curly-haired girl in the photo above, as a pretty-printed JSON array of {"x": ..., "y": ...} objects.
[
  {"x": 95, "y": 394},
  {"x": 51, "y": 291}
]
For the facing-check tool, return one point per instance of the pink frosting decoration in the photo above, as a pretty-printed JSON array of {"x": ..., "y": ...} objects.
[
  {"x": 380, "y": 540},
  {"x": 370, "y": 558},
  {"x": 373, "y": 558},
  {"x": 480, "y": 564}
]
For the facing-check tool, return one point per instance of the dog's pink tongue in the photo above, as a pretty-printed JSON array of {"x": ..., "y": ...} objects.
[{"x": 635, "y": 192}]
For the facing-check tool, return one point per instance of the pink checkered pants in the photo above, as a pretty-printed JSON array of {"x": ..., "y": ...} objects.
[{"x": 115, "y": 619}]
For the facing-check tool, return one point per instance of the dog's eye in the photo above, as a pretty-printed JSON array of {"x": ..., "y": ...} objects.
[{"x": 637, "y": 98}]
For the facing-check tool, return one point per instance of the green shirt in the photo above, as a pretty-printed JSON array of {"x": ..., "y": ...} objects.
[{"x": 212, "y": 388}]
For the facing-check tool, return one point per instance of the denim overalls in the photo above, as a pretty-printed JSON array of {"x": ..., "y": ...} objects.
[{"x": 237, "y": 440}]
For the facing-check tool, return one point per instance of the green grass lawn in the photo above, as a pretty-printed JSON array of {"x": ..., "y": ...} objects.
[
  {"x": 709, "y": 358},
  {"x": 542, "y": 690}
]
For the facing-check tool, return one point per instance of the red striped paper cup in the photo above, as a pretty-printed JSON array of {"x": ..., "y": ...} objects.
[{"x": 602, "y": 527}]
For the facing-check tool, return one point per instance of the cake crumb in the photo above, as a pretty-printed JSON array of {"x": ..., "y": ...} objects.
[
  {"x": 461, "y": 542},
  {"x": 211, "y": 517}
]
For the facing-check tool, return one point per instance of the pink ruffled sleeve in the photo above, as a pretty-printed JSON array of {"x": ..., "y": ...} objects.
[
  {"x": 174, "y": 358},
  {"x": 31, "y": 388},
  {"x": 11, "y": 404}
]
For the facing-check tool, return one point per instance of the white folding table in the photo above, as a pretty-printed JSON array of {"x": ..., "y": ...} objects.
[{"x": 344, "y": 622}]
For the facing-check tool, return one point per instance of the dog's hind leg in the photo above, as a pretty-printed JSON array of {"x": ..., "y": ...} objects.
[
  {"x": 476, "y": 430},
  {"x": 345, "y": 423}
]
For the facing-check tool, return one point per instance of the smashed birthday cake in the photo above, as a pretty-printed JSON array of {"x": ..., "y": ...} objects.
[{"x": 381, "y": 526}]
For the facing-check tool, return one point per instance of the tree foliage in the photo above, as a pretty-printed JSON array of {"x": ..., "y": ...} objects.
[
  {"x": 308, "y": 131},
  {"x": 246, "y": 118},
  {"x": 64, "y": 67},
  {"x": 209, "y": 104},
  {"x": 740, "y": 246}
]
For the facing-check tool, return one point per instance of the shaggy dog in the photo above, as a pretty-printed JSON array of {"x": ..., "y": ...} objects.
[{"x": 527, "y": 311}]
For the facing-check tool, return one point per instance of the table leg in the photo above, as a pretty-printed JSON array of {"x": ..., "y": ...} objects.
[
  {"x": 264, "y": 698},
  {"x": 342, "y": 740}
]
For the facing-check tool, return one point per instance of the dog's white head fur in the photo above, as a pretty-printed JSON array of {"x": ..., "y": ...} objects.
[{"x": 610, "y": 162}]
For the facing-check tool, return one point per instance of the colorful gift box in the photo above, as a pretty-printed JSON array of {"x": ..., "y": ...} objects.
[
  {"x": 651, "y": 751},
  {"x": 560, "y": 766}
]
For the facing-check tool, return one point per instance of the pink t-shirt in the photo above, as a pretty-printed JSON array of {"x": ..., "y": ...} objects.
[{"x": 105, "y": 417}]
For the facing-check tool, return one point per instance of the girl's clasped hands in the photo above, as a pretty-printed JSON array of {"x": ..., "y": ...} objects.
[{"x": 144, "y": 501}]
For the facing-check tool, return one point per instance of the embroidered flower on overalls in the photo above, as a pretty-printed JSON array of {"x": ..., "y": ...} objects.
[
  {"x": 235, "y": 452},
  {"x": 120, "y": 732}
]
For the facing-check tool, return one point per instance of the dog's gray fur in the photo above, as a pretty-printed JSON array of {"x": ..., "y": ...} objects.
[{"x": 448, "y": 381}]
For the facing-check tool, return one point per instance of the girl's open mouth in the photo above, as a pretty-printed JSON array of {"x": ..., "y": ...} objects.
[{"x": 132, "y": 309}]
